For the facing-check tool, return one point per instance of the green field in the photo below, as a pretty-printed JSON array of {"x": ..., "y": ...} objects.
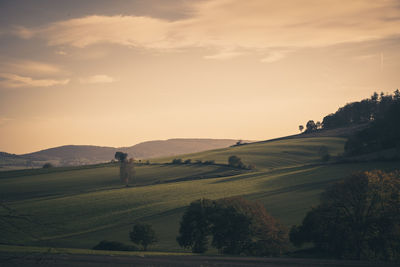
[{"x": 78, "y": 207}]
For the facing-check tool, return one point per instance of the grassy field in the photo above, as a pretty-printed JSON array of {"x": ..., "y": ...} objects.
[{"x": 78, "y": 207}]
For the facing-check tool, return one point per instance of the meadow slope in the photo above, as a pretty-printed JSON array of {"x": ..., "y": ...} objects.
[{"x": 78, "y": 207}]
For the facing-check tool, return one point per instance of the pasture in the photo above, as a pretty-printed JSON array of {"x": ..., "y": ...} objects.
[{"x": 78, "y": 207}]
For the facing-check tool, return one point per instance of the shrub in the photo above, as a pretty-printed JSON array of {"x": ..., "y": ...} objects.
[
  {"x": 236, "y": 162},
  {"x": 177, "y": 161},
  {"x": 188, "y": 161},
  {"x": 143, "y": 234},
  {"x": 323, "y": 152},
  {"x": 47, "y": 165},
  {"x": 115, "y": 246}
]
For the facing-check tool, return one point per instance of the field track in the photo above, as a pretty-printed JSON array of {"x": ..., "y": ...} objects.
[{"x": 104, "y": 260}]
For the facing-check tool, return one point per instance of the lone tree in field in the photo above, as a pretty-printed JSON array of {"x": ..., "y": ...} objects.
[
  {"x": 121, "y": 156},
  {"x": 237, "y": 226},
  {"x": 143, "y": 234},
  {"x": 126, "y": 167},
  {"x": 301, "y": 128},
  {"x": 358, "y": 218}
]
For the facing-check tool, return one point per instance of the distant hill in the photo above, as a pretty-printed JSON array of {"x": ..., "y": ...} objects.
[{"x": 83, "y": 154}]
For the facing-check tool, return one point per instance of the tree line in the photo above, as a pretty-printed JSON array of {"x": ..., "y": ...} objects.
[{"x": 355, "y": 113}]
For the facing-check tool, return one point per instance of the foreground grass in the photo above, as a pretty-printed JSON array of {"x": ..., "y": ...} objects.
[{"x": 51, "y": 250}]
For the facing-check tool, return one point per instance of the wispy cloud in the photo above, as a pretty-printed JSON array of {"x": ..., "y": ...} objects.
[
  {"x": 61, "y": 53},
  {"x": 100, "y": 78},
  {"x": 10, "y": 80},
  {"x": 235, "y": 24},
  {"x": 29, "y": 67},
  {"x": 4, "y": 120},
  {"x": 225, "y": 54},
  {"x": 274, "y": 56}
]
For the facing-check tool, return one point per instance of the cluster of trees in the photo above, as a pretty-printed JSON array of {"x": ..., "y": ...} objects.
[
  {"x": 237, "y": 226},
  {"x": 383, "y": 133},
  {"x": 357, "y": 218},
  {"x": 364, "y": 111},
  {"x": 126, "y": 167},
  {"x": 311, "y": 126}
]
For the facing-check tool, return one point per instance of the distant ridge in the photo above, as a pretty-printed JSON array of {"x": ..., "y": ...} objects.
[{"x": 69, "y": 155}]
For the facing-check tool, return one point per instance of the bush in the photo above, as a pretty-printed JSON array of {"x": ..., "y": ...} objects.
[
  {"x": 188, "y": 161},
  {"x": 236, "y": 162},
  {"x": 323, "y": 152},
  {"x": 177, "y": 161},
  {"x": 143, "y": 234},
  {"x": 209, "y": 162},
  {"x": 115, "y": 246},
  {"x": 251, "y": 167},
  {"x": 47, "y": 165}
]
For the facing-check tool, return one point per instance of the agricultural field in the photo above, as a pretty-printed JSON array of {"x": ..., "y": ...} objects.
[{"x": 79, "y": 206}]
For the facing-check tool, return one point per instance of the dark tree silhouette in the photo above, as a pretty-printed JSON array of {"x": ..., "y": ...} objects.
[
  {"x": 194, "y": 227},
  {"x": 383, "y": 133},
  {"x": 237, "y": 226},
  {"x": 235, "y": 162},
  {"x": 143, "y": 234},
  {"x": 121, "y": 156},
  {"x": 358, "y": 218},
  {"x": 311, "y": 126},
  {"x": 362, "y": 112},
  {"x": 301, "y": 128},
  {"x": 47, "y": 165}
]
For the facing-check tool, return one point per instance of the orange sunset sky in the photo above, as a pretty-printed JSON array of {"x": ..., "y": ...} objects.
[{"x": 115, "y": 73}]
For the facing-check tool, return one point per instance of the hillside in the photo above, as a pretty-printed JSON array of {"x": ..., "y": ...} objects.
[
  {"x": 79, "y": 206},
  {"x": 73, "y": 155}
]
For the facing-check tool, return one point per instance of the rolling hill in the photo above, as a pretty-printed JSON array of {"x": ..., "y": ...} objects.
[
  {"x": 79, "y": 206},
  {"x": 74, "y": 155}
]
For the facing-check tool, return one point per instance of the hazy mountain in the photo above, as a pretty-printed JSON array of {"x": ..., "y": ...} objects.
[{"x": 78, "y": 155}]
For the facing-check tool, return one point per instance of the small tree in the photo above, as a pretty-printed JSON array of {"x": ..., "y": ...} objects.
[
  {"x": 120, "y": 156},
  {"x": 301, "y": 128},
  {"x": 311, "y": 126},
  {"x": 143, "y": 234}
]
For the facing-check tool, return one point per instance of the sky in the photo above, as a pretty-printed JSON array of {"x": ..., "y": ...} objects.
[{"x": 116, "y": 73}]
